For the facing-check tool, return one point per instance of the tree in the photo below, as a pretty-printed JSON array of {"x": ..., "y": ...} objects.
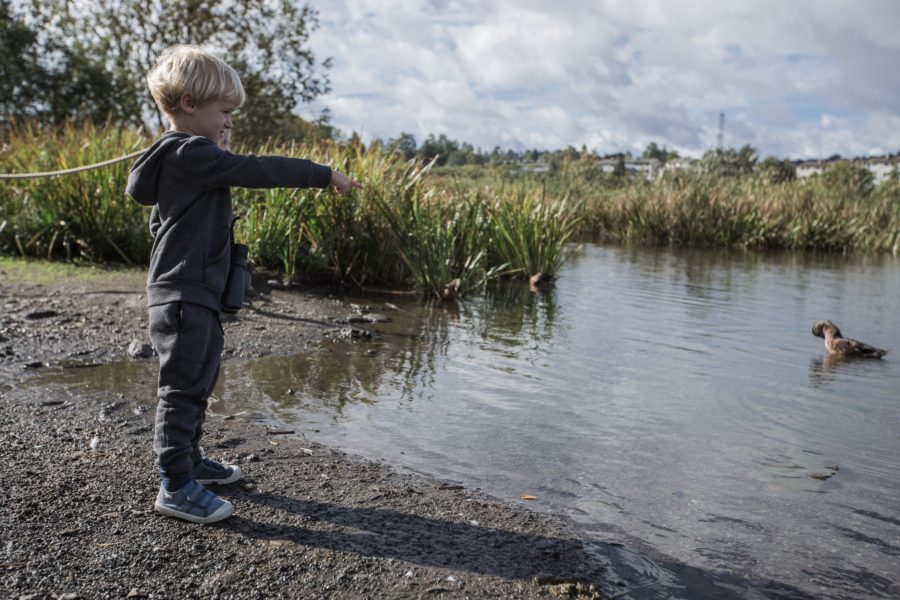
[
  {"x": 777, "y": 170},
  {"x": 441, "y": 147},
  {"x": 730, "y": 162},
  {"x": 660, "y": 154},
  {"x": 44, "y": 80},
  {"x": 619, "y": 171},
  {"x": 405, "y": 144},
  {"x": 853, "y": 181},
  {"x": 19, "y": 67},
  {"x": 264, "y": 40}
]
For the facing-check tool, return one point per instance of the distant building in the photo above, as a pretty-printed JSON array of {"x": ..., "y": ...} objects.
[
  {"x": 808, "y": 168},
  {"x": 881, "y": 167},
  {"x": 649, "y": 168},
  {"x": 678, "y": 164},
  {"x": 538, "y": 166}
]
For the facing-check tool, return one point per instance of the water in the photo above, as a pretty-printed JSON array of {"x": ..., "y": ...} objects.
[{"x": 673, "y": 405}]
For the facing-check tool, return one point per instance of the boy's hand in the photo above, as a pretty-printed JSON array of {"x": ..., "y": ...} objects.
[{"x": 342, "y": 183}]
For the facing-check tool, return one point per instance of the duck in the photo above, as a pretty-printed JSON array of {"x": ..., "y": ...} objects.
[
  {"x": 451, "y": 290},
  {"x": 541, "y": 281},
  {"x": 836, "y": 343}
]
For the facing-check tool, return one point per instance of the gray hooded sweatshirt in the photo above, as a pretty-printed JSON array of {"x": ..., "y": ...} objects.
[{"x": 186, "y": 179}]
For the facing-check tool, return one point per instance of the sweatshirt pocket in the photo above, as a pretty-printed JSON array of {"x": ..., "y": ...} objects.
[
  {"x": 171, "y": 272},
  {"x": 215, "y": 267}
]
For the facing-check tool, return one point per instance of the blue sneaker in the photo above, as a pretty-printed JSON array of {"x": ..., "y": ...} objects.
[
  {"x": 193, "y": 503},
  {"x": 209, "y": 471}
]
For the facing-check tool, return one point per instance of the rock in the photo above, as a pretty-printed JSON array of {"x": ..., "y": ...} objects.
[
  {"x": 377, "y": 318},
  {"x": 369, "y": 318},
  {"x": 138, "y": 349},
  {"x": 41, "y": 314},
  {"x": 357, "y": 333},
  {"x": 275, "y": 284},
  {"x": 34, "y": 365},
  {"x": 136, "y": 593}
]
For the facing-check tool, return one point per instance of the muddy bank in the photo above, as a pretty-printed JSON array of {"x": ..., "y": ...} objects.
[{"x": 77, "y": 481}]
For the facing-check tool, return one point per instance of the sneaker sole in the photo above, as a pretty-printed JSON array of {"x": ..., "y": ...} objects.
[
  {"x": 235, "y": 475},
  {"x": 222, "y": 513}
]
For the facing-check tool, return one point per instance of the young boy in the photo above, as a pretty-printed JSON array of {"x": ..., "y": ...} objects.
[{"x": 185, "y": 176}]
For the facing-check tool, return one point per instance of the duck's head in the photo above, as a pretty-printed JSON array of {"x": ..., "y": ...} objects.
[{"x": 820, "y": 328}]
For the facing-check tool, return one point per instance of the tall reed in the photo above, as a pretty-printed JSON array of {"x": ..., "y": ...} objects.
[{"x": 532, "y": 231}]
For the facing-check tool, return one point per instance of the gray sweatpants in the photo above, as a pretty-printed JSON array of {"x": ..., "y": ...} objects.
[{"x": 189, "y": 341}]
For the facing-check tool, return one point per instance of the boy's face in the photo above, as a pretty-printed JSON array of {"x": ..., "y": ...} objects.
[{"x": 210, "y": 120}]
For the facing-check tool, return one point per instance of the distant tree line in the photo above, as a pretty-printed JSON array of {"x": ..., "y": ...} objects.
[{"x": 76, "y": 60}]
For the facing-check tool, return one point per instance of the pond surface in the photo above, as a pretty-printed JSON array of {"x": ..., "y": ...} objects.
[{"x": 674, "y": 405}]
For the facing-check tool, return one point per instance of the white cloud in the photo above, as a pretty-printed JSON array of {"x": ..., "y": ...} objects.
[{"x": 615, "y": 75}]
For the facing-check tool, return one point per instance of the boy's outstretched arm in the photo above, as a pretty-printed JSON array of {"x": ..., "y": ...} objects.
[{"x": 342, "y": 183}]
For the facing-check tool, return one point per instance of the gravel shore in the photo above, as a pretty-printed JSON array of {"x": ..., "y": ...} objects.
[{"x": 77, "y": 479}]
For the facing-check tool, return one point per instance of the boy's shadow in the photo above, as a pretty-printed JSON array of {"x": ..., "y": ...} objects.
[{"x": 387, "y": 533}]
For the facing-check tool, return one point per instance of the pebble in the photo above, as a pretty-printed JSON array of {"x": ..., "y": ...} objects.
[
  {"x": 138, "y": 349},
  {"x": 41, "y": 314},
  {"x": 357, "y": 333}
]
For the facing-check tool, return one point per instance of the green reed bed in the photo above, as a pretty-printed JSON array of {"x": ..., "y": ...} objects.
[
  {"x": 532, "y": 231},
  {"x": 84, "y": 215},
  {"x": 412, "y": 227},
  {"x": 442, "y": 242},
  {"x": 748, "y": 213}
]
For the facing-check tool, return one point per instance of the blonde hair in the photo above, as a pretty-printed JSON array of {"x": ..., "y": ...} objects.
[{"x": 186, "y": 69}]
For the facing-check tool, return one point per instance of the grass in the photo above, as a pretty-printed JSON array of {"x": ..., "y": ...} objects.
[{"x": 45, "y": 272}]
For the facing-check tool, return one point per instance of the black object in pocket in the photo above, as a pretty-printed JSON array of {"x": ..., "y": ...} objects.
[
  {"x": 238, "y": 279},
  {"x": 238, "y": 276}
]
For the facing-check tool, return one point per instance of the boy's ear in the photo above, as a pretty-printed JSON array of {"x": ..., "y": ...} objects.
[{"x": 186, "y": 103}]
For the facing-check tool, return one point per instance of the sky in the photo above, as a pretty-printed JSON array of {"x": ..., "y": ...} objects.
[{"x": 794, "y": 78}]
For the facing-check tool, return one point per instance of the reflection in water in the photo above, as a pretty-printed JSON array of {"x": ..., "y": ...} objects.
[
  {"x": 824, "y": 370},
  {"x": 509, "y": 319}
]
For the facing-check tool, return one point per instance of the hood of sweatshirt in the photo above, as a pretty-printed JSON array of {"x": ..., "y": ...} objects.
[{"x": 143, "y": 181}]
